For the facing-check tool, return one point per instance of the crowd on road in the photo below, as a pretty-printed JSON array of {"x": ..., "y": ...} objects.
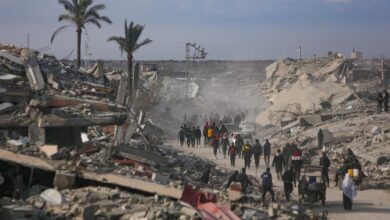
[{"x": 287, "y": 161}]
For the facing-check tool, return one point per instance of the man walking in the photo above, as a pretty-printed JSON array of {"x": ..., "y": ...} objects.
[
  {"x": 288, "y": 179},
  {"x": 267, "y": 152},
  {"x": 325, "y": 163},
  {"x": 247, "y": 154},
  {"x": 239, "y": 144},
  {"x": 224, "y": 143},
  {"x": 379, "y": 99},
  {"x": 386, "y": 100},
  {"x": 232, "y": 153},
  {"x": 181, "y": 136},
  {"x": 267, "y": 184},
  {"x": 278, "y": 162},
  {"x": 205, "y": 131},
  {"x": 215, "y": 144},
  {"x": 198, "y": 135},
  {"x": 257, "y": 151}
]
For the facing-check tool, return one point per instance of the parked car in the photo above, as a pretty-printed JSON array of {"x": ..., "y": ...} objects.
[
  {"x": 248, "y": 127},
  {"x": 232, "y": 128}
]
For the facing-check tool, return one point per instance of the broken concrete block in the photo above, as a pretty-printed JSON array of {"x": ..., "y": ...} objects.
[
  {"x": 6, "y": 106},
  {"x": 33, "y": 70},
  {"x": 10, "y": 57},
  {"x": 49, "y": 150},
  {"x": 53, "y": 197},
  {"x": 15, "y": 143},
  {"x": 36, "y": 135},
  {"x": 52, "y": 81},
  {"x": 63, "y": 179},
  {"x": 122, "y": 92},
  {"x": 375, "y": 130},
  {"x": 160, "y": 178}
]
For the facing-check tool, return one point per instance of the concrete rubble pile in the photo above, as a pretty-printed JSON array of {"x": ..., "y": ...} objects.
[
  {"x": 297, "y": 87},
  {"x": 337, "y": 95}
]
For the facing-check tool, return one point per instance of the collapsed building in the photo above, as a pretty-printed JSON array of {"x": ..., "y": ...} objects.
[{"x": 339, "y": 96}]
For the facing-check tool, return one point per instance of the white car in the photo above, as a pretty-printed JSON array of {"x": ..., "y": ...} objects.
[{"x": 249, "y": 127}]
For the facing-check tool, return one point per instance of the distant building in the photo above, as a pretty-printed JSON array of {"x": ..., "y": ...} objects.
[{"x": 356, "y": 54}]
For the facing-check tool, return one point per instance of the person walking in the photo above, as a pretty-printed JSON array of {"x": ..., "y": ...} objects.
[
  {"x": 181, "y": 136},
  {"x": 188, "y": 136},
  {"x": 210, "y": 134},
  {"x": 239, "y": 145},
  {"x": 215, "y": 144},
  {"x": 247, "y": 154},
  {"x": 193, "y": 136},
  {"x": 386, "y": 100},
  {"x": 349, "y": 192},
  {"x": 288, "y": 179},
  {"x": 379, "y": 99},
  {"x": 320, "y": 137},
  {"x": 297, "y": 161},
  {"x": 232, "y": 153},
  {"x": 244, "y": 180},
  {"x": 325, "y": 163},
  {"x": 205, "y": 130},
  {"x": 198, "y": 135},
  {"x": 267, "y": 152},
  {"x": 278, "y": 163},
  {"x": 267, "y": 184},
  {"x": 257, "y": 151},
  {"x": 224, "y": 143}
]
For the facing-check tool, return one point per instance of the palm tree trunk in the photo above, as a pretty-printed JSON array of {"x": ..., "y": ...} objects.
[
  {"x": 78, "y": 47},
  {"x": 130, "y": 71}
]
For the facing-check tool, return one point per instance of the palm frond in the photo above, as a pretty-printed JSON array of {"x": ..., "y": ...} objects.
[
  {"x": 142, "y": 43},
  {"x": 93, "y": 21},
  {"x": 67, "y": 5},
  {"x": 66, "y": 17},
  {"x": 57, "y": 32}
]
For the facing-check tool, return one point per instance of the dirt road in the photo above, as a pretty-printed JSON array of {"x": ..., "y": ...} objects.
[{"x": 369, "y": 204}]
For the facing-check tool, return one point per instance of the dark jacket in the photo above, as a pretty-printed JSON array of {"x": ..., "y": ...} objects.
[
  {"x": 278, "y": 162},
  {"x": 232, "y": 178},
  {"x": 325, "y": 162},
  {"x": 244, "y": 180},
  {"x": 257, "y": 150},
  {"x": 288, "y": 176},
  {"x": 267, "y": 148}
]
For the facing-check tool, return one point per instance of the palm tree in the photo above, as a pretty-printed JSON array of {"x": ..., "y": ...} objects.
[
  {"x": 129, "y": 43},
  {"x": 80, "y": 13}
]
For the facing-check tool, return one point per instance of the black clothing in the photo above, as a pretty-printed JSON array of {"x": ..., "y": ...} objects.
[
  {"x": 288, "y": 179},
  {"x": 224, "y": 143},
  {"x": 239, "y": 145},
  {"x": 244, "y": 180},
  {"x": 386, "y": 101},
  {"x": 198, "y": 136},
  {"x": 325, "y": 163},
  {"x": 347, "y": 202},
  {"x": 181, "y": 137},
  {"x": 380, "y": 102},
  {"x": 232, "y": 178},
  {"x": 270, "y": 190},
  {"x": 257, "y": 151},
  {"x": 232, "y": 160}
]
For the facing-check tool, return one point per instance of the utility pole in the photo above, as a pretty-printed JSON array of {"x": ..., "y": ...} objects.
[
  {"x": 299, "y": 52},
  {"x": 28, "y": 40},
  {"x": 198, "y": 53}
]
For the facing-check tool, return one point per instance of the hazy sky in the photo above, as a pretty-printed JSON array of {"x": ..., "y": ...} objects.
[{"x": 228, "y": 29}]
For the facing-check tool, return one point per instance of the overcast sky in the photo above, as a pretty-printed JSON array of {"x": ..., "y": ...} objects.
[{"x": 228, "y": 29}]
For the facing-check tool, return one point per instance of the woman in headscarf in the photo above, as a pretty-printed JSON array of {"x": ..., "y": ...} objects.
[{"x": 349, "y": 192}]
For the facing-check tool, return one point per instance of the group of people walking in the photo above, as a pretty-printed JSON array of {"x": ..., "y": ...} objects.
[{"x": 189, "y": 135}]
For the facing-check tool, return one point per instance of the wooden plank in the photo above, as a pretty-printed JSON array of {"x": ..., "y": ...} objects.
[
  {"x": 27, "y": 161},
  {"x": 82, "y": 121},
  {"x": 133, "y": 183}
]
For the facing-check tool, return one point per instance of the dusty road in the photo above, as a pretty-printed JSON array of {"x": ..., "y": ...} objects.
[{"x": 369, "y": 204}]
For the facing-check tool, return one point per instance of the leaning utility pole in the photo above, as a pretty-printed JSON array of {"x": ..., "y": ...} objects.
[{"x": 198, "y": 53}]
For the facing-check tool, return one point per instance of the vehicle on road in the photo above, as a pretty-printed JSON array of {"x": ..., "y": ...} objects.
[
  {"x": 248, "y": 127},
  {"x": 232, "y": 128}
]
